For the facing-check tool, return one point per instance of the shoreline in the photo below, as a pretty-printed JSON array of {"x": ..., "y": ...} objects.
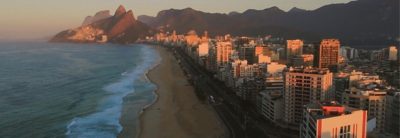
[
  {"x": 127, "y": 116},
  {"x": 156, "y": 95},
  {"x": 154, "y": 121}
]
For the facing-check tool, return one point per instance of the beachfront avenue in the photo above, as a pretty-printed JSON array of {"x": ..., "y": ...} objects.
[{"x": 240, "y": 119}]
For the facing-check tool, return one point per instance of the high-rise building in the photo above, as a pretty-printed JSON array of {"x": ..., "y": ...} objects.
[
  {"x": 211, "y": 64},
  {"x": 393, "y": 113},
  {"x": 304, "y": 86},
  {"x": 271, "y": 104},
  {"x": 331, "y": 120},
  {"x": 260, "y": 50},
  {"x": 367, "y": 92},
  {"x": 393, "y": 53},
  {"x": 249, "y": 89},
  {"x": 341, "y": 82},
  {"x": 223, "y": 53},
  {"x": 327, "y": 54},
  {"x": 247, "y": 53},
  {"x": 263, "y": 59},
  {"x": 294, "y": 48},
  {"x": 348, "y": 53},
  {"x": 275, "y": 68},
  {"x": 192, "y": 38},
  {"x": 203, "y": 48}
]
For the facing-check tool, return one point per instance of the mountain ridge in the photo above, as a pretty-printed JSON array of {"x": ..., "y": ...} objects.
[{"x": 358, "y": 22}]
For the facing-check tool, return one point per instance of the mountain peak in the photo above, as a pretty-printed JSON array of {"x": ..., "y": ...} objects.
[
  {"x": 120, "y": 11},
  {"x": 274, "y": 8},
  {"x": 295, "y": 9},
  {"x": 130, "y": 13},
  {"x": 188, "y": 9}
]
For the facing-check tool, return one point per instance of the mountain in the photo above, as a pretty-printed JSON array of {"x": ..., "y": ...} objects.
[
  {"x": 97, "y": 17},
  {"x": 360, "y": 22},
  {"x": 122, "y": 27}
]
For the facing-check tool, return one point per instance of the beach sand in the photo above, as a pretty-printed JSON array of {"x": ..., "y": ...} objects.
[{"x": 177, "y": 113}]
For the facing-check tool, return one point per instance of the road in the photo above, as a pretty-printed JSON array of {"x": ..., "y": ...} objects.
[{"x": 241, "y": 120}]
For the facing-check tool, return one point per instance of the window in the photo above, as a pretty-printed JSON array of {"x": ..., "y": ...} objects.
[{"x": 344, "y": 132}]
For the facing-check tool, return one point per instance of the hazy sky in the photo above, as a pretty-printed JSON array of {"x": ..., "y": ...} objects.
[{"x": 27, "y": 19}]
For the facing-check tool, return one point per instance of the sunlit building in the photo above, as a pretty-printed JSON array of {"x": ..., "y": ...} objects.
[
  {"x": 192, "y": 38},
  {"x": 294, "y": 48},
  {"x": 223, "y": 52},
  {"x": 203, "y": 48},
  {"x": 367, "y": 92},
  {"x": 332, "y": 120},
  {"x": 393, "y": 53},
  {"x": 304, "y": 86},
  {"x": 327, "y": 54},
  {"x": 263, "y": 59}
]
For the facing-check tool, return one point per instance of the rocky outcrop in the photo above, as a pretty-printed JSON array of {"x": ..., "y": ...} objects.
[
  {"x": 122, "y": 23},
  {"x": 120, "y": 28},
  {"x": 120, "y": 11}
]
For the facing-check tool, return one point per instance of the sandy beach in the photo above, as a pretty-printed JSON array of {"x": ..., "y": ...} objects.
[{"x": 177, "y": 113}]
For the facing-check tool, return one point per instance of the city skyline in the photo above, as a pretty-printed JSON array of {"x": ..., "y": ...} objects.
[{"x": 40, "y": 20}]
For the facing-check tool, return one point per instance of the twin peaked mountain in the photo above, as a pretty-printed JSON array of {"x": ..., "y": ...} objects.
[
  {"x": 122, "y": 27},
  {"x": 359, "y": 22}
]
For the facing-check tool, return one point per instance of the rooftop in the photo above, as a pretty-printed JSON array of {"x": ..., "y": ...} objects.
[
  {"x": 328, "y": 109},
  {"x": 309, "y": 70}
]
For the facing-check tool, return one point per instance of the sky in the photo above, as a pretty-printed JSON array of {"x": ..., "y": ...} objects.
[{"x": 41, "y": 19}]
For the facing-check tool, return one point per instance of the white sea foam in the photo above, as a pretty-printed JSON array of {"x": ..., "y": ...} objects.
[{"x": 105, "y": 122}]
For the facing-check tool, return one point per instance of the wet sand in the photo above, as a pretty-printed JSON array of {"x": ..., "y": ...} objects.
[{"x": 177, "y": 113}]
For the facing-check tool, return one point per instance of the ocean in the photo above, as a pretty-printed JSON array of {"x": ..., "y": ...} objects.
[{"x": 71, "y": 90}]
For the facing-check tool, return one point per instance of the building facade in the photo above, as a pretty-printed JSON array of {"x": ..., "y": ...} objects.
[
  {"x": 304, "y": 86},
  {"x": 331, "y": 120},
  {"x": 393, "y": 53},
  {"x": 223, "y": 53},
  {"x": 367, "y": 92},
  {"x": 294, "y": 48},
  {"x": 271, "y": 104},
  {"x": 393, "y": 113},
  {"x": 327, "y": 54}
]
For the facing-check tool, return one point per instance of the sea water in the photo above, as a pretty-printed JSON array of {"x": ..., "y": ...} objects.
[{"x": 71, "y": 90}]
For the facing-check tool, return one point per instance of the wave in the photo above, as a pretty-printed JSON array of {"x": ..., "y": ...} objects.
[{"x": 105, "y": 122}]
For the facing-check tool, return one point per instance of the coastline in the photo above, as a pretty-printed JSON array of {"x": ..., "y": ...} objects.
[
  {"x": 128, "y": 115},
  {"x": 176, "y": 110}
]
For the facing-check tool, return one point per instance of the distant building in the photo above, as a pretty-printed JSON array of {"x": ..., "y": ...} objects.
[
  {"x": 247, "y": 53},
  {"x": 262, "y": 50},
  {"x": 348, "y": 53},
  {"x": 249, "y": 89},
  {"x": 203, "y": 49},
  {"x": 308, "y": 59},
  {"x": 211, "y": 64},
  {"x": 303, "y": 60},
  {"x": 263, "y": 59},
  {"x": 378, "y": 55},
  {"x": 327, "y": 54},
  {"x": 275, "y": 68},
  {"x": 341, "y": 82},
  {"x": 294, "y": 48},
  {"x": 331, "y": 120},
  {"x": 223, "y": 53},
  {"x": 304, "y": 86},
  {"x": 192, "y": 38},
  {"x": 393, "y": 53}
]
